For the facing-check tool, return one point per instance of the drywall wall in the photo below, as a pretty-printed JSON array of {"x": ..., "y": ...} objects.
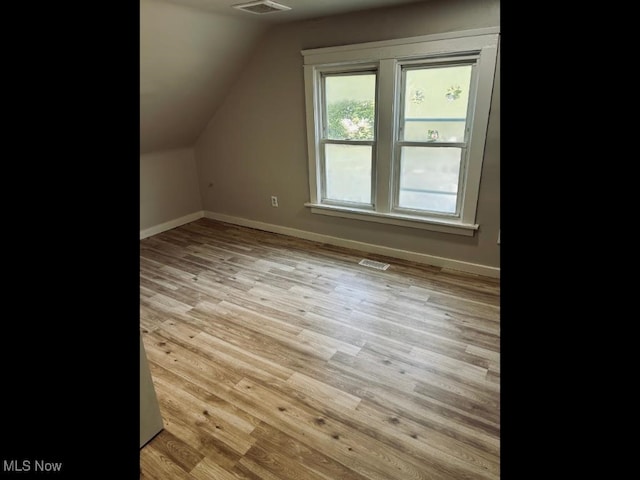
[
  {"x": 188, "y": 60},
  {"x": 255, "y": 145},
  {"x": 168, "y": 187}
]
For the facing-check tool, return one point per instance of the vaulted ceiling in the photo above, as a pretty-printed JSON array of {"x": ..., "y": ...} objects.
[{"x": 191, "y": 52}]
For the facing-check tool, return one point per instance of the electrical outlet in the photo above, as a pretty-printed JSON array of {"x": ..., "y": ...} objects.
[{"x": 274, "y": 201}]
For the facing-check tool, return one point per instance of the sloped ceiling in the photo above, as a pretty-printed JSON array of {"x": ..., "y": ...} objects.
[
  {"x": 191, "y": 51},
  {"x": 188, "y": 59}
]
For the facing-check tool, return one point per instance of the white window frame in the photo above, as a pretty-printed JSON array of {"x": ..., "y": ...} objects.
[
  {"x": 324, "y": 140},
  {"x": 389, "y": 57}
]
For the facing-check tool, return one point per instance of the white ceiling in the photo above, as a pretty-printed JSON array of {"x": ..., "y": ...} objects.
[
  {"x": 300, "y": 9},
  {"x": 191, "y": 52}
]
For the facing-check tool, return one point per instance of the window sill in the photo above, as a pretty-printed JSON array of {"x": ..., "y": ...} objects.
[{"x": 436, "y": 225}]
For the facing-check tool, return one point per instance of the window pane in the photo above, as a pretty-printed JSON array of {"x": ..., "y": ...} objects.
[
  {"x": 429, "y": 178},
  {"x": 435, "y": 107},
  {"x": 348, "y": 173},
  {"x": 350, "y": 101}
]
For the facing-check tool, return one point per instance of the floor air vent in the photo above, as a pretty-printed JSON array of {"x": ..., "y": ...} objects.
[{"x": 374, "y": 264}]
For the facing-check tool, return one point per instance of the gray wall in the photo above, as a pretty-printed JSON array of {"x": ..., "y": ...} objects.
[
  {"x": 168, "y": 186},
  {"x": 188, "y": 60},
  {"x": 255, "y": 145}
]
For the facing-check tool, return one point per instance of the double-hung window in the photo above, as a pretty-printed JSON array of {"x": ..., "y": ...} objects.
[
  {"x": 396, "y": 129},
  {"x": 348, "y": 137}
]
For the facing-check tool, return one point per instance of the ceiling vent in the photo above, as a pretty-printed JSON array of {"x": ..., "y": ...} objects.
[{"x": 264, "y": 6}]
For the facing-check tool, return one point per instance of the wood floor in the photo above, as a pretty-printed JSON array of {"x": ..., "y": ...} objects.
[{"x": 277, "y": 358}]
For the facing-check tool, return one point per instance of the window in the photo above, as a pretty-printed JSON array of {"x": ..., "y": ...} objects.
[
  {"x": 348, "y": 137},
  {"x": 396, "y": 129}
]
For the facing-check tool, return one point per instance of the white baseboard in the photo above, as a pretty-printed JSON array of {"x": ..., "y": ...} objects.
[
  {"x": 148, "y": 232},
  {"x": 448, "y": 263}
]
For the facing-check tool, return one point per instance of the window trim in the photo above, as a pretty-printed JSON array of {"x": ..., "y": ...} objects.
[{"x": 390, "y": 56}]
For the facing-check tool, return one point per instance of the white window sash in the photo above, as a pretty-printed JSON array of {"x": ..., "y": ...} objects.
[{"x": 388, "y": 57}]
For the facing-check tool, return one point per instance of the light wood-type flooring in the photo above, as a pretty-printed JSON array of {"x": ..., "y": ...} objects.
[{"x": 279, "y": 358}]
